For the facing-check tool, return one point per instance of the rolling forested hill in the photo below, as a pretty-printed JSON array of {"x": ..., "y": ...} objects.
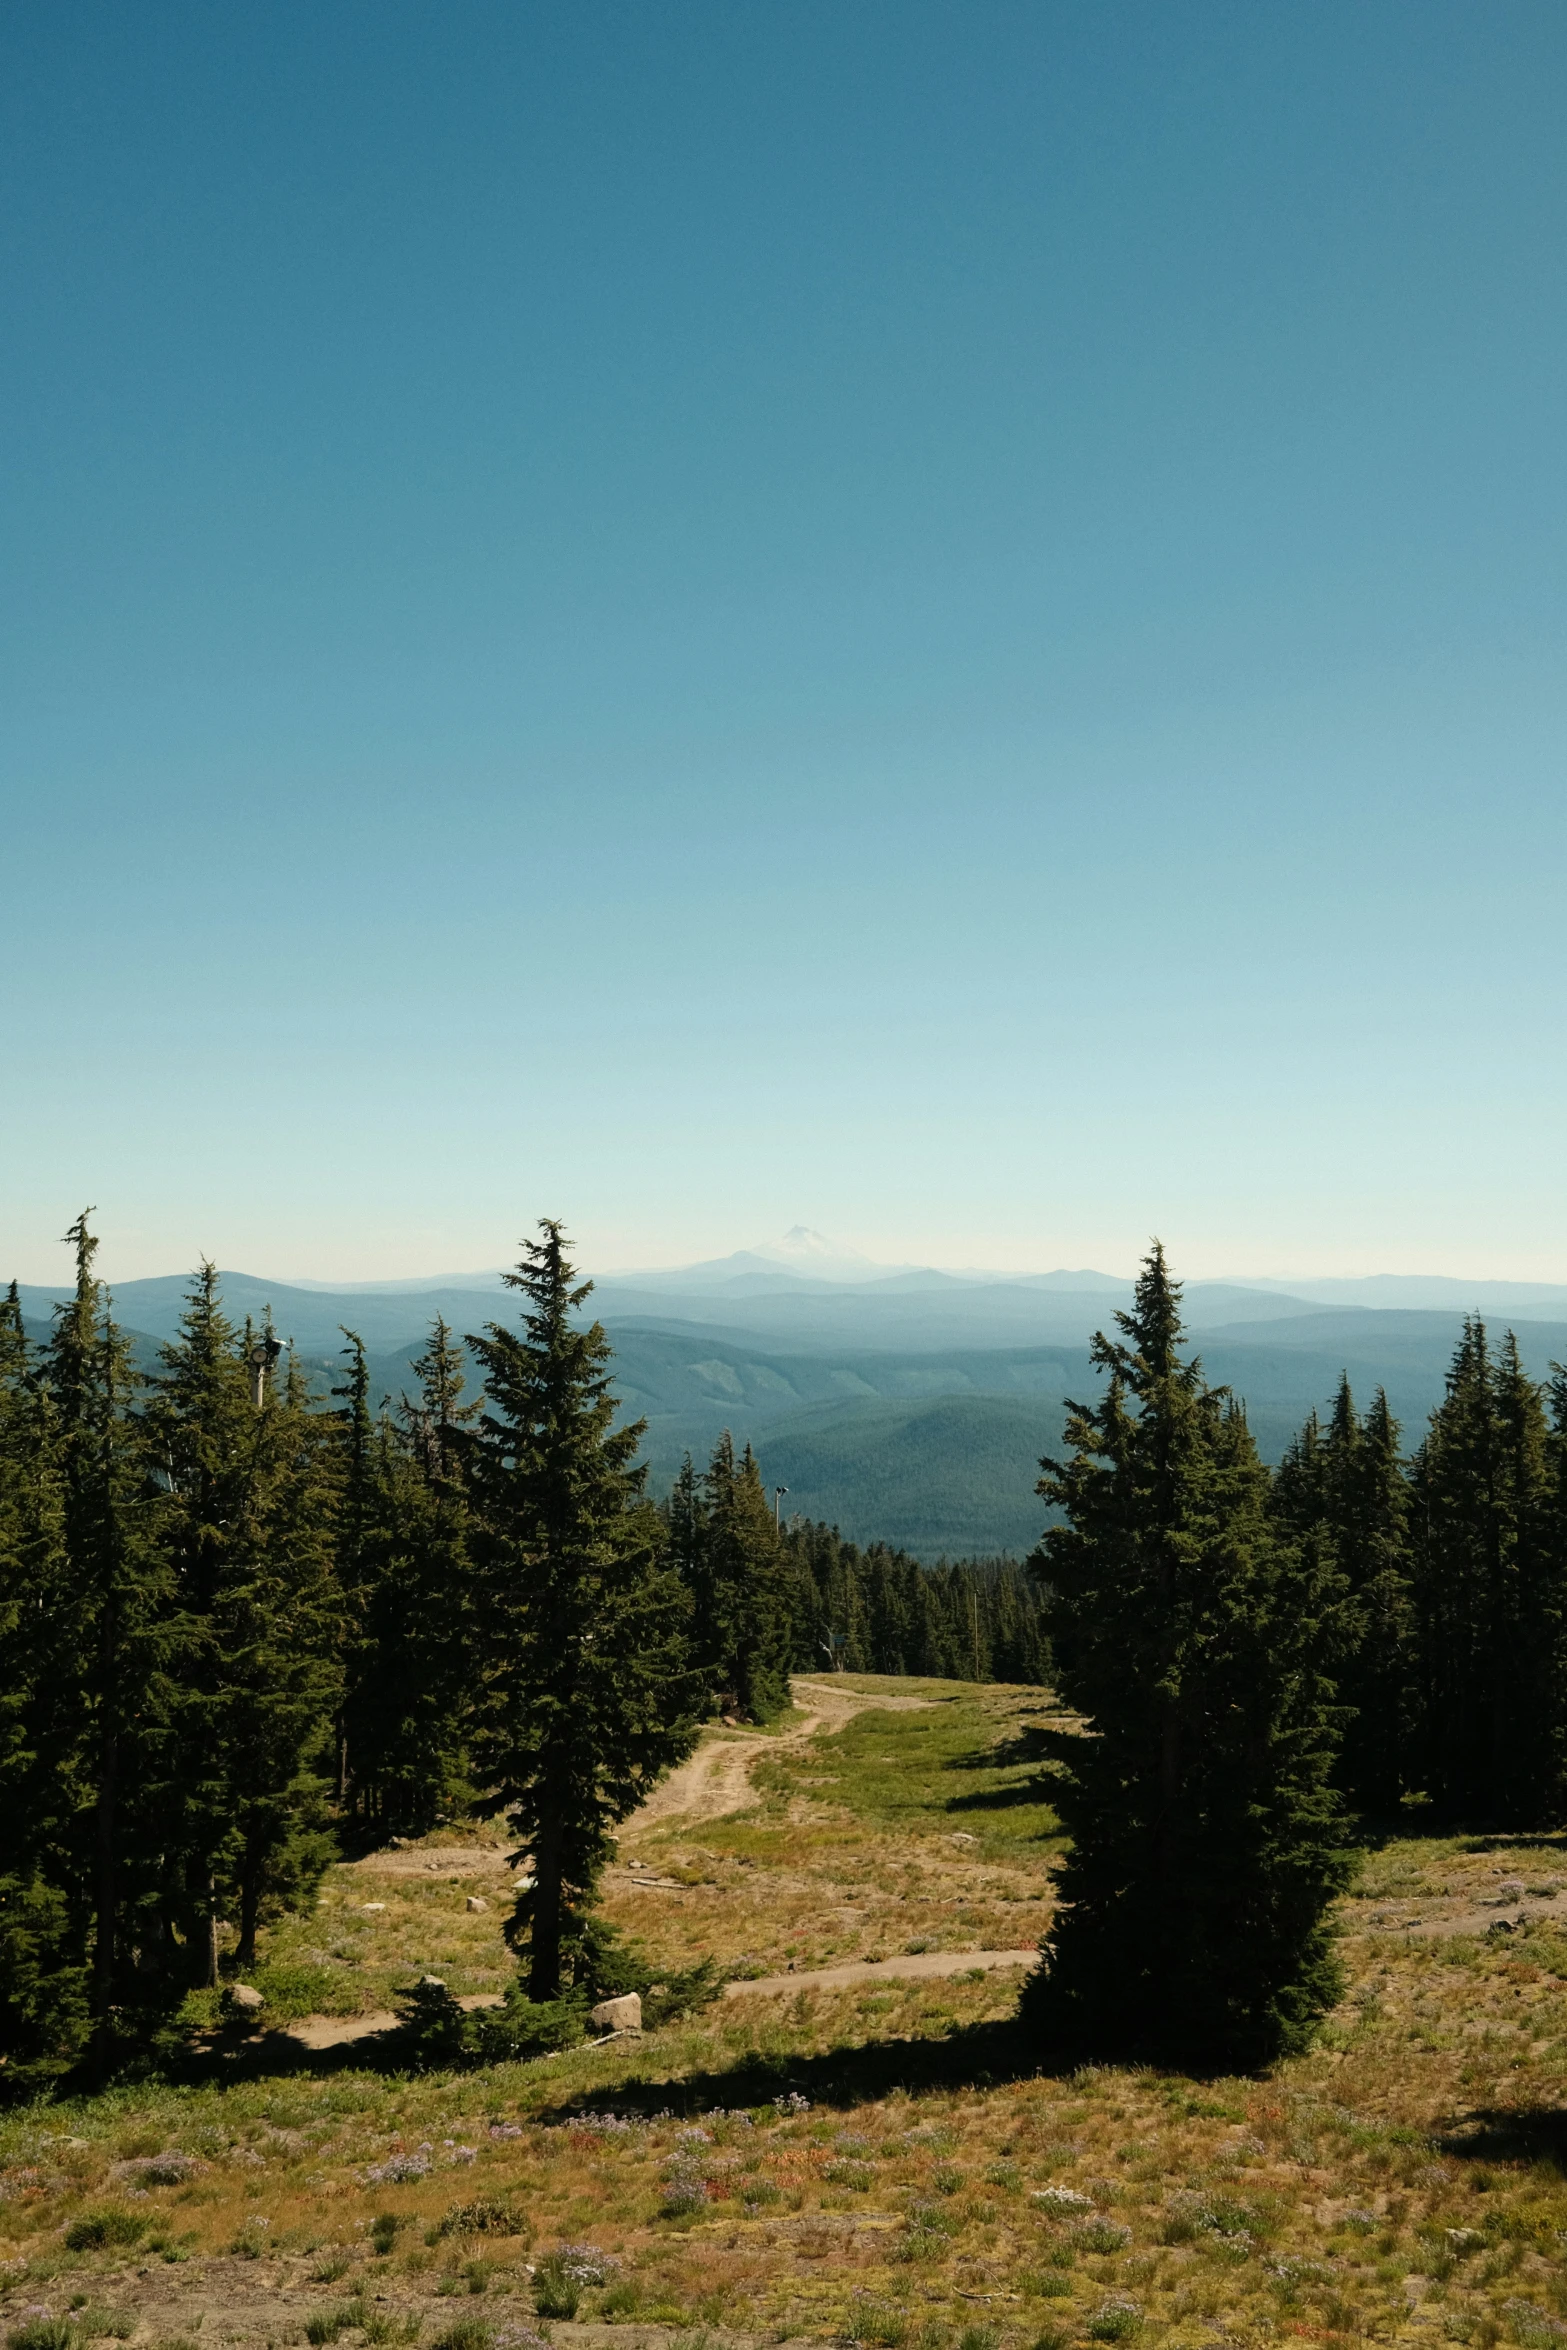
[{"x": 912, "y": 1411}]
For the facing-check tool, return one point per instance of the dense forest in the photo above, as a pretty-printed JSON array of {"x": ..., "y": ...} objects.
[
  {"x": 1271, "y": 1662},
  {"x": 241, "y": 1618},
  {"x": 241, "y": 1621}
]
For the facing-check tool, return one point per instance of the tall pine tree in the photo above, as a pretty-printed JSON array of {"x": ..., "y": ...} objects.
[
  {"x": 586, "y": 1694},
  {"x": 249, "y": 1535},
  {"x": 114, "y": 1690},
  {"x": 1345, "y": 1485},
  {"x": 408, "y": 1701},
  {"x": 43, "y": 1909},
  {"x": 1489, "y": 1594},
  {"x": 1191, "y": 1635},
  {"x": 746, "y": 1588}
]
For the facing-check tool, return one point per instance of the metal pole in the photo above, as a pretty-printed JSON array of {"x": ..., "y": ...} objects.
[{"x": 263, "y": 1355}]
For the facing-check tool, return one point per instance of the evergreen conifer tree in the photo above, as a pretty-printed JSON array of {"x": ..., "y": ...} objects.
[
  {"x": 586, "y": 1692},
  {"x": 278, "y": 1626},
  {"x": 109, "y": 1702},
  {"x": 1345, "y": 1485},
  {"x": 1489, "y": 1594},
  {"x": 43, "y": 1975},
  {"x": 361, "y": 1533},
  {"x": 1206, "y": 1837},
  {"x": 746, "y": 1586},
  {"x": 407, "y": 1710},
  {"x": 248, "y": 1522}
]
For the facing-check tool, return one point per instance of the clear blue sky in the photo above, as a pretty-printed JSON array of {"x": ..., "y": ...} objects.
[{"x": 940, "y": 620}]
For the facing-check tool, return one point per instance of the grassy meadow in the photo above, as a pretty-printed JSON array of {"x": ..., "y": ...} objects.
[{"x": 881, "y": 2162}]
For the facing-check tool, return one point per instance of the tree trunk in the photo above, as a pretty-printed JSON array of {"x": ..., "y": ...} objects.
[
  {"x": 249, "y": 1907},
  {"x": 545, "y": 1922},
  {"x": 104, "y": 1874}
]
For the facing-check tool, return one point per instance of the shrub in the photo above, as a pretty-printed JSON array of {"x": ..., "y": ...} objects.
[
  {"x": 1049, "y": 2285},
  {"x": 170, "y": 2169},
  {"x": 399, "y": 2167},
  {"x": 685, "y": 2188},
  {"x": 1101, "y": 2235},
  {"x": 488, "y": 2215},
  {"x": 562, "y": 2276},
  {"x": 324, "y": 2325},
  {"x": 876, "y": 2322},
  {"x": 1115, "y": 2321},
  {"x": 932, "y": 2217},
  {"x": 524, "y": 2027},
  {"x": 554, "y": 2293},
  {"x": 857, "y": 2176},
  {"x": 43, "y": 2333},
  {"x": 299, "y": 1989},
  {"x": 682, "y": 1994},
  {"x": 979, "y": 2338},
  {"x": 925, "y": 2233},
  {"x": 383, "y": 2231},
  {"x": 1532, "y": 2329},
  {"x": 96, "y": 2231},
  {"x": 465, "y": 2333},
  {"x": 434, "y": 2030}
]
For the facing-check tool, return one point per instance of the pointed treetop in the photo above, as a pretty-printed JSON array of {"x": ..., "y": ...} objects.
[
  {"x": 1155, "y": 1320},
  {"x": 545, "y": 1273},
  {"x": 84, "y": 1244}
]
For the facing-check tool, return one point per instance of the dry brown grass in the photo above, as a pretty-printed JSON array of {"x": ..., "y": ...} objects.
[{"x": 1404, "y": 2180}]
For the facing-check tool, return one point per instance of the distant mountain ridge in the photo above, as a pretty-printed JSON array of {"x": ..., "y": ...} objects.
[{"x": 912, "y": 1407}]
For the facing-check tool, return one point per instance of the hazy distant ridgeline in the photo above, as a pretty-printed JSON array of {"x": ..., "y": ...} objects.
[{"x": 910, "y": 1409}]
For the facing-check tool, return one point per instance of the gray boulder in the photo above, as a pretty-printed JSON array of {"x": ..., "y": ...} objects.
[{"x": 617, "y": 2015}]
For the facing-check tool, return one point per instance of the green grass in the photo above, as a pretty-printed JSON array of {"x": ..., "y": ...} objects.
[{"x": 952, "y": 1770}]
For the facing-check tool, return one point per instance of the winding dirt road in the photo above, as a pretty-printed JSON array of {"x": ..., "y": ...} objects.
[{"x": 717, "y": 1779}]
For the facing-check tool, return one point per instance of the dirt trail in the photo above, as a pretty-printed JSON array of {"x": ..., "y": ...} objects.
[
  {"x": 319, "y": 2031},
  {"x": 1493, "y": 1917},
  {"x": 917, "y": 1963},
  {"x": 717, "y": 1779}
]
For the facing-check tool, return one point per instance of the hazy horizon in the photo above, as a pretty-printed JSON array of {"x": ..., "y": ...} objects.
[{"x": 52, "y": 1275}]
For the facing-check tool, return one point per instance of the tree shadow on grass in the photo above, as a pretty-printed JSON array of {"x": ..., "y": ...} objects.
[
  {"x": 1502, "y": 1840},
  {"x": 1510, "y": 2133},
  {"x": 1417, "y": 1822},
  {"x": 1030, "y": 1791},
  {"x": 979, "y": 2056},
  {"x": 973, "y": 2056},
  {"x": 276, "y": 2055},
  {"x": 1035, "y": 1747},
  {"x": 1031, "y": 1742}
]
